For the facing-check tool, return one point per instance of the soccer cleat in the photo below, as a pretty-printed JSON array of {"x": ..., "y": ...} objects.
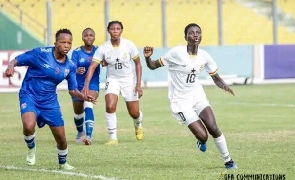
[
  {"x": 112, "y": 142},
  {"x": 231, "y": 165},
  {"x": 202, "y": 146},
  {"x": 79, "y": 137},
  {"x": 66, "y": 166},
  {"x": 87, "y": 141},
  {"x": 31, "y": 156},
  {"x": 139, "y": 133}
]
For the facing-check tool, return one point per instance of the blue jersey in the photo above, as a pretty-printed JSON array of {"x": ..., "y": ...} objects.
[
  {"x": 43, "y": 75},
  {"x": 84, "y": 59}
]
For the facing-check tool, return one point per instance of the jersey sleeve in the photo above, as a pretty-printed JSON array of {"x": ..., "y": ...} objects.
[
  {"x": 75, "y": 58},
  {"x": 28, "y": 58},
  {"x": 71, "y": 78},
  {"x": 171, "y": 57},
  {"x": 210, "y": 66},
  {"x": 98, "y": 55},
  {"x": 133, "y": 50}
]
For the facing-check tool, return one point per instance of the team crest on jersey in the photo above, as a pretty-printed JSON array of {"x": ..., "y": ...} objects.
[
  {"x": 201, "y": 68},
  {"x": 57, "y": 70},
  {"x": 23, "y": 105},
  {"x": 125, "y": 56},
  {"x": 81, "y": 60},
  {"x": 66, "y": 72},
  {"x": 89, "y": 59}
]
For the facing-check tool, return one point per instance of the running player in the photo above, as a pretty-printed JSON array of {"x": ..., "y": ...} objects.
[
  {"x": 187, "y": 97},
  {"x": 47, "y": 67}
]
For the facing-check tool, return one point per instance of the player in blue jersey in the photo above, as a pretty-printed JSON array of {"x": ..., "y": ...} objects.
[
  {"x": 47, "y": 67},
  {"x": 82, "y": 57}
]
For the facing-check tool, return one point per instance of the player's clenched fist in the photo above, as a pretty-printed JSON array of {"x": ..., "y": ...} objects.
[
  {"x": 9, "y": 71},
  {"x": 148, "y": 51}
]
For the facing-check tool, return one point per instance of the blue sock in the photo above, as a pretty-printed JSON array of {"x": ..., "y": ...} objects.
[
  {"x": 62, "y": 156},
  {"x": 79, "y": 121},
  {"x": 30, "y": 140},
  {"x": 89, "y": 121}
]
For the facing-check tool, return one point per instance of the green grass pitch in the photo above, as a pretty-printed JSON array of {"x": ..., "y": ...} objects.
[{"x": 258, "y": 124}]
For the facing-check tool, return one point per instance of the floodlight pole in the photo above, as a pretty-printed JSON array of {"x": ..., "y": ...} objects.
[
  {"x": 164, "y": 24},
  {"x": 219, "y": 16},
  {"x": 106, "y": 17},
  {"x": 49, "y": 22},
  {"x": 275, "y": 21}
]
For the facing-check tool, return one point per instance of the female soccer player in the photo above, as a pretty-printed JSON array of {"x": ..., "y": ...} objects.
[
  {"x": 47, "y": 67},
  {"x": 82, "y": 57},
  {"x": 118, "y": 53},
  {"x": 187, "y": 97}
]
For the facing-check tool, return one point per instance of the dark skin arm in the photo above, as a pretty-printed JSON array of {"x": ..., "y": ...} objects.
[
  {"x": 75, "y": 93},
  {"x": 88, "y": 77},
  {"x": 221, "y": 84},
  {"x": 138, "y": 71},
  {"x": 10, "y": 69},
  {"x": 151, "y": 64}
]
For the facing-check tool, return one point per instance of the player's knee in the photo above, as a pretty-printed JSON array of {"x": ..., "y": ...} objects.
[
  {"x": 214, "y": 131},
  {"x": 110, "y": 108},
  {"x": 29, "y": 128},
  {"x": 134, "y": 114}
]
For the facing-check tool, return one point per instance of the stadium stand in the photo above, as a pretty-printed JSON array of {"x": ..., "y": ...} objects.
[
  {"x": 143, "y": 22},
  {"x": 72, "y": 14},
  {"x": 287, "y": 6}
]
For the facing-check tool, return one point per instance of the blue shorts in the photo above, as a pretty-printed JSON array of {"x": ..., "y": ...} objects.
[
  {"x": 51, "y": 117},
  {"x": 93, "y": 88}
]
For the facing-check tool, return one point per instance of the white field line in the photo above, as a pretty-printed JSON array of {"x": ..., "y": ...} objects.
[
  {"x": 57, "y": 172},
  {"x": 258, "y": 104}
]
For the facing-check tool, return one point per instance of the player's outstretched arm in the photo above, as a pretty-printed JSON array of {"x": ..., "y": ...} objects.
[
  {"x": 88, "y": 77},
  {"x": 10, "y": 69},
  {"x": 147, "y": 52},
  {"x": 221, "y": 84},
  {"x": 75, "y": 93}
]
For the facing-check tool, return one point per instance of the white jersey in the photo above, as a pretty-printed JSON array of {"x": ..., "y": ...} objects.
[
  {"x": 184, "y": 70},
  {"x": 119, "y": 58}
]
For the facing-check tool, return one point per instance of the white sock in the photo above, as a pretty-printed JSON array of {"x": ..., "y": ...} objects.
[
  {"x": 111, "y": 121},
  {"x": 222, "y": 147},
  {"x": 137, "y": 122}
]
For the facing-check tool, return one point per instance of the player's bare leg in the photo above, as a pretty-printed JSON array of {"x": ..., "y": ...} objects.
[
  {"x": 111, "y": 117},
  {"x": 29, "y": 123},
  {"x": 200, "y": 132},
  {"x": 62, "y": 147},
  {"x": 208, "y": 119},
  {"x": 137, "y": 115},
  {"x": 79, "y": 120}
]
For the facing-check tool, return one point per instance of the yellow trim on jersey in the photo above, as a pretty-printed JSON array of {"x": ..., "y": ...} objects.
[
  {"x": 96, "y": 60},
  {"x": 160, "y": 62},
  {"x": 192, "y": 55},
  {"x": 134, "y": 58},
  {"x": 213, "y": 73}
]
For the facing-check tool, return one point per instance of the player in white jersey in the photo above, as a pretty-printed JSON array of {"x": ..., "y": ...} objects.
[
  {"x": 117, "y": 54},
  {"x": 188, "y": 100}
]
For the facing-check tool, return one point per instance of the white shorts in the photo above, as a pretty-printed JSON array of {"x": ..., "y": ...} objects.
[
  {"x": 188, "y": 110},
  {"x": 124, "y": 86}
]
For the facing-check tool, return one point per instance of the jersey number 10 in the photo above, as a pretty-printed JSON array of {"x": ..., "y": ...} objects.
[
  {"x": 190, "y": 78},
  {"x": 118, "y": 66}
]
